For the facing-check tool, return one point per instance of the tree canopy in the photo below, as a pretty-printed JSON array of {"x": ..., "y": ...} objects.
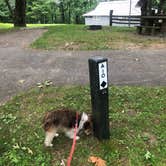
[
  {"x": 59, "y": 11},
  {"x": 148, "y": 5},
  {"x": 49, "y": 11}
]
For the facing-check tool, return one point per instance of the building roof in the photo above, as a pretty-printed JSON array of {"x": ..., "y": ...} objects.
[{"x": 121, "y": 7}]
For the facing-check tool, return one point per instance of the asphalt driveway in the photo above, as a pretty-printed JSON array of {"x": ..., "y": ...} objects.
[{"x": 22, "y": 67}]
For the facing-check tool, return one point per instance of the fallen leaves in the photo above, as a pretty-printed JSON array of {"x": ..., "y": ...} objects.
[
  {"x": 44, "y": 84},
  {"x": 97, "y": 161},
  {"x": 21, "y": 81}
]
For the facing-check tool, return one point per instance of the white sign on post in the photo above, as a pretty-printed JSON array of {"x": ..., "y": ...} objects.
[{"x": 103, "y": 81}]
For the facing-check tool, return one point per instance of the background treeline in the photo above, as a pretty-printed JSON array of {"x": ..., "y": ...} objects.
[
  {"x": 21, "y": 12},
  {"x": 50, "y": 11}
]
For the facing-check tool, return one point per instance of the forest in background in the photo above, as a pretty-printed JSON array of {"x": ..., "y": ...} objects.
[
  {"x": 50, "y": 11},
  {"x": 21, "y": 12}
]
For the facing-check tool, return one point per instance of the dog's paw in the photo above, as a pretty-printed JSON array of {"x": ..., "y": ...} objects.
[
  {"x": 77, "y": 137},
  {"x": 56, "y": 135},
  {"x": 48, "y": 145}
]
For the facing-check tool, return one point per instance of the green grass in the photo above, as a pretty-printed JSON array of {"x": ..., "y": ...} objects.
[
  {"x": 7, "y": 27},
  {"x": 78, "y": 37},
  {"x": 42, "y": 25},
  {"x": 137, "y": 127}
]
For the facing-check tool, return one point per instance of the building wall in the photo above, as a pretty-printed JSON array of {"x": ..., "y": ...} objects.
[
  {"x": 105, "y": 21},
  {"x": 97, "y": 20}
]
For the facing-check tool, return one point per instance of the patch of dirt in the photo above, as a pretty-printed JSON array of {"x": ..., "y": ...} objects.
[
  {"x": 131, "y": 112},
  {"x": 131, "y": 46},
  {"x": 134, "y": 46},
  {"x": 20, "y": 38},
  {"x": 150, "y": 138},
  {"x": 128, "y": 46},
  {"x": 123, "y": 162},
  {"x": 158, "y": 46},
  {"x": 156, "y": 121},
  {"x": 72, "y": 46}
]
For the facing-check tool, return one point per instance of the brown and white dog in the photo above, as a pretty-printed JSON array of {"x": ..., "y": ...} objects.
[{"x": 63, "y": 120}]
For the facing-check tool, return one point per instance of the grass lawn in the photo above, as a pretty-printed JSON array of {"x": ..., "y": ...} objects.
[
  {"x": 6, "y": 27},
  {"x": 78, "y": 37},
  {"x": 137, "y": 127}
]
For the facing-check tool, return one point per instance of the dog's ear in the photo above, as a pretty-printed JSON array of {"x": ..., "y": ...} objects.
[
  {"x": 46, "y": 126},
  {"x": 88, "y": 129},
  {"x": 87, "y": 125},
  {"x": 46, "y": 123}
]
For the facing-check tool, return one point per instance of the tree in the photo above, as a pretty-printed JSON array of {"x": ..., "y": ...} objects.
[
  {"x": 9, "y": 7},
  {"x": 41, "y": 11},
  {"x": 4, "y": 12},
  {"x": 19, "y": 13},
  {"x": 47, "y": 11},
  {"x": 162, "y": 7},
  {"x": 147, "y": 5}
]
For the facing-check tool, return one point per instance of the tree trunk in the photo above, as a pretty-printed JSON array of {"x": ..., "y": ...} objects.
[
  {"x": 69, "y": 14},
  {"x": 160, "y": 7},
  {"x": 77, "y": 19},
  {"x": 149, "y": 8},
  {"x": 144, "y": 8},
  {"x": 62, "y": 10},
  {"x": 19, "y": 14}
]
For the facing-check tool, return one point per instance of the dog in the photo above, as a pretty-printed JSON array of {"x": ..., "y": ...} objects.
[{"x": 64, "y": 120}]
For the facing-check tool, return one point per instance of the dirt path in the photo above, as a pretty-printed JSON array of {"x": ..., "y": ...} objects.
[
  {"x": 20, "y": 39},
  {"x": 21, "y": 67}
]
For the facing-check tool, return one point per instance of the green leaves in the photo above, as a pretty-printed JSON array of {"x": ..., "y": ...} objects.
[
  {"x": 148, "y": 155},
  {"x": 50, "y": 11},
  {"x": 8, "y": 118}
]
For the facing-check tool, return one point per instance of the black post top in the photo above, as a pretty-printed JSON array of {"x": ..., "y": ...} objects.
[{"x": 97, "y": 59}]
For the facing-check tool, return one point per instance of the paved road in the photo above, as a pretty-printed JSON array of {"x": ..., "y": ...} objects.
[{"x": 21, "y": 67}]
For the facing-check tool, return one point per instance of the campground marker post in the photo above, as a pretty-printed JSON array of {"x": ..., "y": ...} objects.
[{"x": 98, "y": 75}]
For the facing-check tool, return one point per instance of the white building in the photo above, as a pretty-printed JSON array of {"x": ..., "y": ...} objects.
[{"x": 101, "y": 14}]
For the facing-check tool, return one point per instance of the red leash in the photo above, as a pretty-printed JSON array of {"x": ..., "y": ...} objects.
[{"x": 74, "y": 142}]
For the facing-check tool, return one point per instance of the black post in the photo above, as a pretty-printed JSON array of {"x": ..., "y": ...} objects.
[
  {"x": 98, "y": 68},
  {"x": 111, "y": 12}
]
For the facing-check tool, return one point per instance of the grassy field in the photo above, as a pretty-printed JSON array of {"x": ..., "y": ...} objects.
[
  {"x": 78, "y": 37},
  {"x": 9, "y": 25},
  {"x": 137, "y": 127},
  {"x": 6, "y": 27}
]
